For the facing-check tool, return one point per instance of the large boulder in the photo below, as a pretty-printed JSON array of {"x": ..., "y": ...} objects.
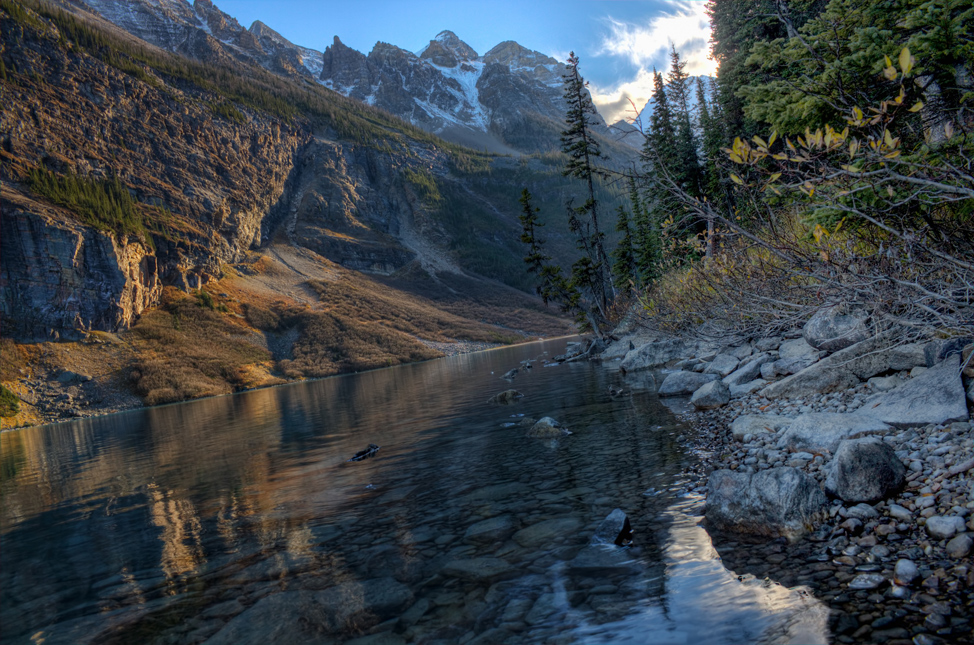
[
  {"x": 936, "y": 351},
  {"x": 655, "y": 354},
  {"x": 722, "y": 365},
  {"x": 789, "y": 366},
  {"x": 681, "y": 383},
  {"x": 935, "y": 396},
  {"x": 750, "y": 370},
  {"x": 839, "y": 371},
  {"x": 779, "y": 502},
  {"x": 505, "y": 397},
  {"x": 758, "y": 424},
  {"x": 710, "y": 396},
  {"x": 547, "y": 427},
  {"x": 835, "y": 328},
  {"x": 821, "y": 432},
  {"x": 745, "y": 389},
  {"x": 864, "y": 470}
]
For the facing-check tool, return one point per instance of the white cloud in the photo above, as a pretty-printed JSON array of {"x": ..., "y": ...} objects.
[{"x": 684, "y": 25}]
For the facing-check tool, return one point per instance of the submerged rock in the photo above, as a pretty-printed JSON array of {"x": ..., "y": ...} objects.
[
  {"x": 615, "y": 529},
  {"x": 779, "y": 502},
  {"x": 547, "y": 427},
  {"x": 365, "y": 454},
  {"x": 507, "y": 396},
  {"x": 510, "y": 374}
]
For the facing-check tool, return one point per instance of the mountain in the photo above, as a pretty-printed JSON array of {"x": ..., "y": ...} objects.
[{"x": 507, "y": 101}]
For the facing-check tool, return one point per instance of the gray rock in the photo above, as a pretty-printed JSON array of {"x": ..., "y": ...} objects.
[
  {"x": 740, "y": 352},
  {"x": 768, "y": 372},
  {"x": 944, "y": 528},
  {"x": 710, "y": 396},
  {"x": 681, "y": 383},
  {"x": 479, "y": 569},
  {"x": 840, "y": 371},
  {"x": 969, "y": 391},
  {"x": 900, "y": 513},
  {"x": 934, "y": 397},
  {"x": 655, "y": 354},
  {"x": 507, "y": 396},
  {"x": 774, "y": 502},
  {"x": 905, "y": 572},
  {"x": 722, "y": 365},
  {"x": 960, "y": 546},
  {"x": 936, "y": 351},
  {"x": 767, "y": 344},
  {"x": 547, "y": 531},
  {"x": 866, "y": 581},
  {"x": 885, "y": 383},
  {"x": 864, "y": 470},
  {"x": 510, "y": 374},
  {"x": 862, "y": 512},
  {"x": 906, "y": 357},
  {"x": 796, "y": 349},
  {"x": 614, "y": 529},
  {"x": 745, "y": 389},
  {"x": 68, "y": 377},
  {"x": 302, "y": 616},
  {"x": 495, "y": 529},
  {"x": 819, "y": 432},
  {"x": 789, "y": 366},
  {"x": 747, "y": 372},
  {"x": 835, "y": 328},
  {"x": 547, "y": 427},
  {"x": 758, "y": 424}
]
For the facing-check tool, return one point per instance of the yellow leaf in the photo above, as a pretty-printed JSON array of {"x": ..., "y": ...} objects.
[
  {"x": 774, "y": 137},
  {"x": 758, "y": 140},
  {"x": 736, "y": 179},
  {"x": 893, "y": 155},
  {"x": 790, "y": 145},
  {"x": 736, "y": 158},
  {"x": 853, "y": 148},
  {"x": 857, "y": 114},
  {"x": 780, "y": 156},
  {"x": 902, "y": 95},
  {"x": 889, "y": 63},
  {"x": 888, "y": 139},
  {"x": 889, "y": 73},
  {"x": 906, "y": 61},
  {"x": 774, "y": 177},
  {"x": 917, "y": 107},
  {"x": 948, "y": 129},
  {"x": 850, "y": 168}
]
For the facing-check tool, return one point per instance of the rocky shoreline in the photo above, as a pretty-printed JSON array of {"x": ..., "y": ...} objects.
[{"x": 835, "y": 459}]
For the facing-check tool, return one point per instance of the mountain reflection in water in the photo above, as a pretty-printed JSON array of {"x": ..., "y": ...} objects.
[{"x": 239, "y": 519}]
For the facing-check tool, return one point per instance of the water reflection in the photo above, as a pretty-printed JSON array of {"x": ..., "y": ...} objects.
[{"x": 238, "y": 519}]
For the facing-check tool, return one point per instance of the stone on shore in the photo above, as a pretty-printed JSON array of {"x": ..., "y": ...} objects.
[
  {"x": 682, "y": 383},
  {"x": 796, "y": 349},
  {"x": 747, "y": 372},
  {"x": 839, "y": 371},
  {"x": 722, "y": 365},
  {"x": 757, "y": 424},
  {"x": 864, "y": 470},
  {"x": 710, "y": 396},
  {"x": 789, "y": 366},
  {"x": 779, "y": 502},
  {"x": 654, "y": 354},
  {"x": 934, "y": 397},
  {"x": 507, "y": 396},
  {"x": 944, "y": 528},
  {"x": 835, "y": 328},
  {"x": 905, "y": 572},
  {"x": 744, "y": 389},
  {"x": 960, "y": 546},
  {"x": 820, "y": 432},
  {"x": 906, "y": 357}
]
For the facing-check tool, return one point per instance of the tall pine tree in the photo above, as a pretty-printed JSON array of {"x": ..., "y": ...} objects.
[{"x": 624, "y": 267}]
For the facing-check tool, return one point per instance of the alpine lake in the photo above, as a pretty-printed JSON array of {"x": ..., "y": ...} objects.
[{"x": 240, "y": 519}]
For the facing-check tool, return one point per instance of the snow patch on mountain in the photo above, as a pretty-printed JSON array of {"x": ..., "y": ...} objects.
[{"x": 466, "y": 75}]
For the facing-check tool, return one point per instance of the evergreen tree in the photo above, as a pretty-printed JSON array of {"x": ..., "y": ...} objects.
[
  {"x": 552, "y": 284},
  {"x": 646, "y": 245},
  {"x": 624, "y": 267},
  {"x": 687, "y": 167},
  {"x": 583, "y": 151}
]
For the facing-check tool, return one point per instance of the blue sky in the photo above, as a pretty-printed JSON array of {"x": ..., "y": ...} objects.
[{"x": 618, "y": 41}]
